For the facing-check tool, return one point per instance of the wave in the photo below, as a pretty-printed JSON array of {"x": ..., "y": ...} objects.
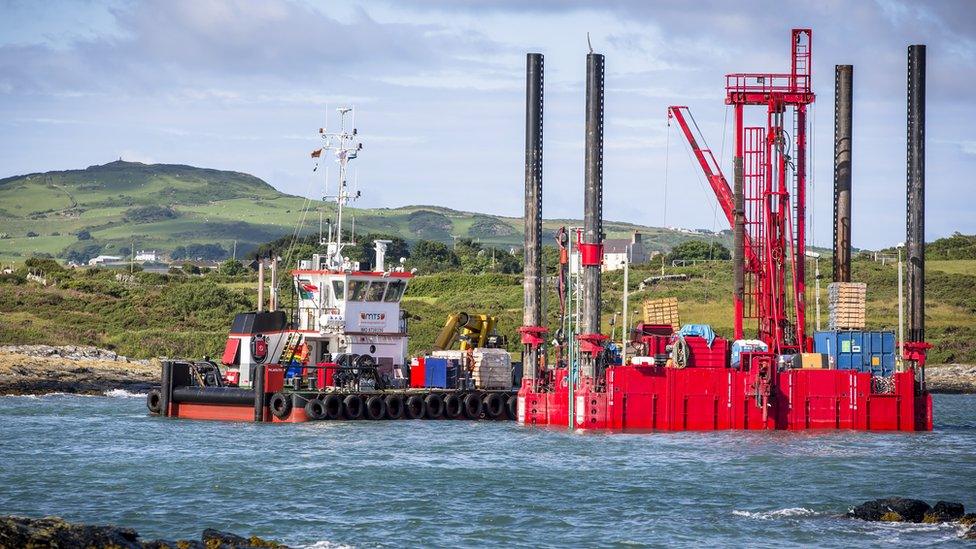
[
  {"x": 122, "y": 393},
  {"x": 37, "y": 396},
  {"x": 326, "y": 544},
  {"x": 778, "y": 513}
]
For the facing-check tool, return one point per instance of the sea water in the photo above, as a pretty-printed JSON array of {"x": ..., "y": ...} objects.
[{"x": 460, "y": 483}]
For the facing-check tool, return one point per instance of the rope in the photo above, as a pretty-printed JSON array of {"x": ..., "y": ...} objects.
[
  {"x": 667, "y": 159},
  {"x": 811, "y": 235}
]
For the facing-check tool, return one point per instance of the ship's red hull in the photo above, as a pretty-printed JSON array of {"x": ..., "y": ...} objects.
[{"x": 653, "y": 398}]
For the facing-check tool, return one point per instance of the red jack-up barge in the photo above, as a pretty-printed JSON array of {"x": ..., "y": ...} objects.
[{"x": 766, "y": 209}]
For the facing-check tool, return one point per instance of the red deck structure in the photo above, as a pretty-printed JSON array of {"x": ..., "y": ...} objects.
[{"x": 761, "y": 393}]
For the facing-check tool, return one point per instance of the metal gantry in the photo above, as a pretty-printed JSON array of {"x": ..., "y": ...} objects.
[{"x": 766, "y": 205}]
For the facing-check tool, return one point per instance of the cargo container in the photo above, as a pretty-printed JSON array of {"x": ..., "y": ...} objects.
[
  {"x": 863, "y": 351},
  {"x": 435, "y": 373}
]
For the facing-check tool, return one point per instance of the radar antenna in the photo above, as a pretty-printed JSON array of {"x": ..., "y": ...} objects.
[{"x": 344, "y": 145}]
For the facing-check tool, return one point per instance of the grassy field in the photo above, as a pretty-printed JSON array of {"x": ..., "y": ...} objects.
[
  {"x": 163, "y": 206},
  {"x": 953, "y": 266},
  {"x": 158, "y": 315}
]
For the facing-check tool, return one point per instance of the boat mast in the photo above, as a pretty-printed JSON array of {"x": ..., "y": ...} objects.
[{"x": 344, "y": 146}]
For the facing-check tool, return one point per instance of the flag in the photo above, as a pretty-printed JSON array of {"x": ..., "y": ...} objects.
[
  {"x": 305, "y": 289},
  {"x": 316, "y": 153}
]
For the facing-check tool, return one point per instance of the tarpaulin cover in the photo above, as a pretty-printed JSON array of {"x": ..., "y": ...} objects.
[{"x": 701, "y": 330}]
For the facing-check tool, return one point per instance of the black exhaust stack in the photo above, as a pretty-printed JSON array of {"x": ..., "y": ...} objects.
[
  {"x": 532, "y": 331},
  {"x": 843, "y": 130},
  {"x": 915, "y": 221}
]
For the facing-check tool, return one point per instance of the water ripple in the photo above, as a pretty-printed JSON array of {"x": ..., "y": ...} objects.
[{"x": 410, "y": 483}]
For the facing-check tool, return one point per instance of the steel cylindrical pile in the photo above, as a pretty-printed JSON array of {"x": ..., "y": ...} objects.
[
  {"x": 915, "y": 223},
  {"x": 532, "y": 283},
  {"x": 592, "y": 202},
  {"x": 843, "y": 130}
]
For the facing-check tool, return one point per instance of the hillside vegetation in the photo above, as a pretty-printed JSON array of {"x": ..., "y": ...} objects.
[
  {"x": 108, "y": 209},
  {"x": 176, "y": 315}
]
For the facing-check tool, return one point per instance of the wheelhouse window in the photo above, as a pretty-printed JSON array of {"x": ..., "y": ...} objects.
[
  {"x": 395, "y": 291},
  {"x": 339, "y": 290},
  {"x": 357, "y": 289},
  {"x": 375, "y": 291}
]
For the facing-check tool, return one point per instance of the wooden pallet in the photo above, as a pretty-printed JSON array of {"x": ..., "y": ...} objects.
[{"x": 662, "y": 311}]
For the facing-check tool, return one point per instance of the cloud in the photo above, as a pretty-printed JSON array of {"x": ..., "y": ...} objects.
[
  {"x": 438, "y": 86},
  {"x": 196, "y": 43}
]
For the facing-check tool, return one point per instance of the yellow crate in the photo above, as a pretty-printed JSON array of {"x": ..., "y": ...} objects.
[{"x": 814, "y": 361}]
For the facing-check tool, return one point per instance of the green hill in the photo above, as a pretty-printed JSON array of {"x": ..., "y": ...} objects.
[{"x": 106, "y": 209}]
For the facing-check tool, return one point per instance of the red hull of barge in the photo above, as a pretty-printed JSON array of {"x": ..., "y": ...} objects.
[{"x": 654, "y": 398}]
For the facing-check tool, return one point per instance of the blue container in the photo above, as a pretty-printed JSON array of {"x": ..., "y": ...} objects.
[
  {"x": 872, "y": 352},
  {"x": 435, "y": 373}
]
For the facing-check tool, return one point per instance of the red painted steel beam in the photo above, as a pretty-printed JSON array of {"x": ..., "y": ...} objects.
[{"x": 713, "y": 173}]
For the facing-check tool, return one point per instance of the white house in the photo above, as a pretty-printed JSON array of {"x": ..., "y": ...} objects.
[
  {"x": 147, "y": 256},
  {"x": 103, "y": 259},
  {"x": 615, "y": 252}
]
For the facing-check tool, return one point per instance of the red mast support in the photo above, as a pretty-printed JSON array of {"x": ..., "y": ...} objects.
[{"x": 780, "y": 231}]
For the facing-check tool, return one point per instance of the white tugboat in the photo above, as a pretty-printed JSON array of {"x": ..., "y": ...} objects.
[
  {"x": 346, "y": 313},
  {"x": 343, "y": 352}
]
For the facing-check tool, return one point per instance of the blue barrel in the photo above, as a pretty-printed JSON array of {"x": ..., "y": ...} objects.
[{"x": 863, "y": 351}]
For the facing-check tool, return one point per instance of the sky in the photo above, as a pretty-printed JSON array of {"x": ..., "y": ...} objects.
[{"x": 438, "y": 88}]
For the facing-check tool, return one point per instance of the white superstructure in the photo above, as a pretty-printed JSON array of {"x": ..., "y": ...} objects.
[{"x": 342, "y": 309}]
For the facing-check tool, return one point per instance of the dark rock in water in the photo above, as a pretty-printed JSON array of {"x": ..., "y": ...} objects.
[
  {"x": 216, "y": 536},
  {"x": 892, "y": 510},
  {"x": 945, "y": 511},
  {"x": 968, "y": 519},
  {"x": 55, "y": 532}
]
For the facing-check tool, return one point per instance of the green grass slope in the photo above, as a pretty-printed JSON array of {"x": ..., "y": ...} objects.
[
  {"x": 162, "y": 206},
  {"x": 189, "y": 316}
]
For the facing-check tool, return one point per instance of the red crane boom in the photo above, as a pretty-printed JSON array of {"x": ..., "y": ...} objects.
[{"x": 713, "y": 173}]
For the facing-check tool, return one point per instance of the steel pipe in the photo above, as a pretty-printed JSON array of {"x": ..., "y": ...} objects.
[
  {"x": 843, "y": 131},
  {"x": 593, "y": 201},
  {"x": 915, "y": 218},
  {"x": 532, "y": 281}
]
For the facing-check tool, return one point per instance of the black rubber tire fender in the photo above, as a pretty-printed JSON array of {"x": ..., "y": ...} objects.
[
  {"x": 333, "y": 405},
  {"x": 154, "y": 401},
  {"x": 435, "y": 406},
  {"x": 394, "y": 406},
  {"x": 511, "y": 407},
  {"x": 352, "y": 407},
  {"x": 452, "y": 406},
  {"x": 415, "y": 407},
  {"x": 280, "y": 405},
  {"x": 375, "y": 407},
  {"x": 315, "y": 409},
  {"x": 494, "y": 405},
  {"x": 473, "y": 406}
]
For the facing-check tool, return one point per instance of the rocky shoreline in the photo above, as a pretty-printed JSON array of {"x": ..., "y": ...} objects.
[
  {"x": 40, "y": 369},
  {"x": 951, "y": 379},
  {"x": 56, "y": 532}
]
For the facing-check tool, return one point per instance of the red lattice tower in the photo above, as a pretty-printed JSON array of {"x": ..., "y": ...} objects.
[{"x": 774, "y": 183}]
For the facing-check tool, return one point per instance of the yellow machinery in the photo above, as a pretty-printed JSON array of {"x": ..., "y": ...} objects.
[{"x": 470, "y": 330}]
